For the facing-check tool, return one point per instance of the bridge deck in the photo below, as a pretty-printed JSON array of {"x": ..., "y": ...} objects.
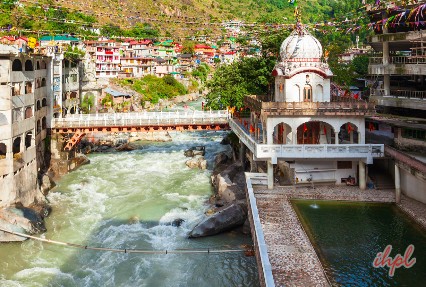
[{"x": 143, "y": 122}]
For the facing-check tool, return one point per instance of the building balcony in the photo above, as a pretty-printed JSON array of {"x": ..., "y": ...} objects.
[
  {"x": 397, "y": 65},
  {"x": 399, "y": 99},
  {"x": 336, "y": 107}
]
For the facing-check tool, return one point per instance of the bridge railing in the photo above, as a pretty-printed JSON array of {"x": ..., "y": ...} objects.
[{"x": 142, "y": 119}]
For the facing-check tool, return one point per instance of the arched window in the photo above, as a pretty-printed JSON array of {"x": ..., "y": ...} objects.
[
  {"x": 43, "y": 123},
  {"x": 307, "y": 93},
  {"x": 38, "y": 83},
  {"x": 38, "y": 129},
  {"x": 43, "y": 65},
  {"x": 28, "y": 139},
  {"x": 43, "y": 82},
  {"x": 17, "y": 65},
  {"x": 28, "y": 112},
  {"x": 28, "y": 87},
  {"x": 38, "y": 65},
  {"x": 28, "y": 65},
  {"x": 3, "y": 150},
  {"x": 44, "y": 102},
  {"x": 38, "y": 105},
  {"x": 66, "y": 64},
  {"x": 16, "y": 145}
]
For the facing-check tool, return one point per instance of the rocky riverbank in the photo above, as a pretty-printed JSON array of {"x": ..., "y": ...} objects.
[{"x": 228, "y": 204}]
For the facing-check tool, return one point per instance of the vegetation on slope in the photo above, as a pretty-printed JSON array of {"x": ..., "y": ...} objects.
[{"x": 153, "y": 89}]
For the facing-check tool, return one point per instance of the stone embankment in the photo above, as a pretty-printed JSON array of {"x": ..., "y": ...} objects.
[{"x": 228, "y": 204}]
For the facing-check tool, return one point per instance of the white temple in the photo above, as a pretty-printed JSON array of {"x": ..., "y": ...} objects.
[{"x": 312, "y": 136}]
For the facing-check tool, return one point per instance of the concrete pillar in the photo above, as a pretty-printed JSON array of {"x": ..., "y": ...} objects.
[
  {"x": 362, "y": 175},
  {"x": 386, "y": 77},
  {"x": 242, "y": 152},
  {"x": 336, "y": 138},
  {"x": 397, "y": 184},
  {"x": 359, "y": 138},
  {"x": 270, "y": 174},
  {"x": 294, "y": 137},
  {"x": 351, "y": 137},
  {"x": 264, "y": 139}
]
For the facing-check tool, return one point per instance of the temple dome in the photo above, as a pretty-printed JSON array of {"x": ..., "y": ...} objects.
[{"x": 300, "y": 45}]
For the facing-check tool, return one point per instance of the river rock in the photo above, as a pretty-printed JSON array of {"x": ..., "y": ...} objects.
[
  {"x": 224, "y": 220},
  {"x": 197, "y": 162},
  {"x": 20, "y": 219},
  {"x": 221, "y": 158},
  {"x": 125, "y": 147},
  {"x": 194, "y": 151},
  {"x": 177, "y": 222},
  {"x": 46, "y": 184}
]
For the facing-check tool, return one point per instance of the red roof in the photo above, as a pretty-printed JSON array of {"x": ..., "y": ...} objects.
[
  {"x": 10, "y": 38},
  {"x": 202, "y": 46}
]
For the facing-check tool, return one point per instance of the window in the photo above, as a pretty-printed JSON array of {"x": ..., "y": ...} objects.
[
  {"x": 307, "y": 93},
  {"x": 344, "y": 165},
  {"x": 17, "y": 65},
  {"x": 414, "y": 134},
  {"x": 28, "y": 65}
]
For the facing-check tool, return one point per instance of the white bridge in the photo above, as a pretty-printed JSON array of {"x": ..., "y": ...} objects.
[{"x": 144, "y": 121}]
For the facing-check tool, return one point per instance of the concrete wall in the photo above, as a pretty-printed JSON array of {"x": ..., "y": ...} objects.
[{"x": 322, "y": 170}]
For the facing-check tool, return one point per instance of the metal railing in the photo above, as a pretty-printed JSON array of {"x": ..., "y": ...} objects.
[
  {"x": 398, "y": 60},
  {"x": 257, "y": 225},
  {"x": 400, "y": 94},
  {"x": 141, "y": 119}
]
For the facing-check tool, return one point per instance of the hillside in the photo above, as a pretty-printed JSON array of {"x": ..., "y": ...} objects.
[{"x": 170, "y": 17}]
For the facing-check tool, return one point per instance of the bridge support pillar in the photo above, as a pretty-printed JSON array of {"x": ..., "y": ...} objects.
[
  {"x": 270, "y": 174},
  {"x": 242, "y": 153},
  {"x": 362, "y": 175},
  {"x": 397, "y": 184}
]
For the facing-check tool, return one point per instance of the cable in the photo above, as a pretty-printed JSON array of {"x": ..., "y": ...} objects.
[{"x": 247, "y": 250}]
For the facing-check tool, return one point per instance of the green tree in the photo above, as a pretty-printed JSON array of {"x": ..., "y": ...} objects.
[
  {"x": 87, "y": 103},
  {"x": 360, "y": 65},
  {"x": 188, "y": 47},
  {"x": 231, "y": 83}
]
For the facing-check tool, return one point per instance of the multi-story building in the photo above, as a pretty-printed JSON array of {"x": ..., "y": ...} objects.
[
  {"x": 398, "y": 70},
  {"x": 136, "y": 67},
  {"x": 106, "y": 54},
  {"x": 399, "y": 64},
  {"x": 141, "y": 48},
  {"x": 25, "y": 84}
]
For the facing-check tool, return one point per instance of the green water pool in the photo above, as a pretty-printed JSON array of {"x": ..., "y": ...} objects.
[{"x": 348, "y": 235}]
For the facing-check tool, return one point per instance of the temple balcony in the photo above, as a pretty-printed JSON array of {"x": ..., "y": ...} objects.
[
  {"x": 339, "y": 106},
  {"x": 262, "y": 151}
]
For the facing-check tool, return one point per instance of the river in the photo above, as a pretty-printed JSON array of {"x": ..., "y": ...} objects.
[{"x": 128, "y": 200}]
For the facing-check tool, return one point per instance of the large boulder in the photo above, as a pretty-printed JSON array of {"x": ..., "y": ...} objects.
[
  {"x": 23, "y": 220},
  {"x": 221, "y": 158},
  {"x": 224, "y": 220},
  {"x": 195, "y": 150},
  {"x": 125, "y": 147},
  {"x": 197, "y": 162}
]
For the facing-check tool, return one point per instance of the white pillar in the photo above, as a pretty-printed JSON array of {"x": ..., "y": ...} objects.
[
  {"x": 397, "y": 184},
  {"x": 294, "y": 137},
  {"x": 362, "y": 176},
  {"x": 270, "y": 174},
  {"x": 359, "y": 138},
  {"x": 336, "y": 138}
]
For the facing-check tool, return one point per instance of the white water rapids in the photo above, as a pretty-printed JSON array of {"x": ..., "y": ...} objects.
[{"x": 98, "y": 205}]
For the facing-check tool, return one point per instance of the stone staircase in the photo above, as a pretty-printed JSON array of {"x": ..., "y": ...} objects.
[{"x": 382, "y": 180}]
